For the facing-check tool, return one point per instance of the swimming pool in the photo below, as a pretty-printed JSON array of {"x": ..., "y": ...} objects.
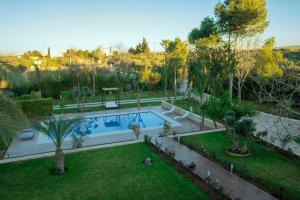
[
  {"x": 113, "y": 124},
  {"x": 120, "y": 122}
]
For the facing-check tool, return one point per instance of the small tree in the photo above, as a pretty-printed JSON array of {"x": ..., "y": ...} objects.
[
  {"x": 166, "y": 129},
  {"x": 246, "y": 126},
  {"x": 85, "y": 92},
  {"x": 230, "y": 122},
  {"x": 76, "y": 93},
  {"x": 136, "y": 130},
  {"x": 57, "y": 129}
]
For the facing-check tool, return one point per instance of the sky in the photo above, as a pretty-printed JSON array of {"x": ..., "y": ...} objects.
[{"x": 88, "y": 24}]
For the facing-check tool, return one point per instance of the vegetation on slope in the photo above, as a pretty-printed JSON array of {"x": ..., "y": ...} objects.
[{"x": 12, "y": 120}]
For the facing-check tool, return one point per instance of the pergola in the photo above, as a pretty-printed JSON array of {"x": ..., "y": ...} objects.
[{"x": 111, "y": 104}]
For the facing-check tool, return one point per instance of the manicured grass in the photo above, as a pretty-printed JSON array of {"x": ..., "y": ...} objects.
[
  {"x": 123, "y": 96},
  {"x": 265, "y": 166},
  {"x": 98, "y": 108},
  {"x": 107, "y": 174}
]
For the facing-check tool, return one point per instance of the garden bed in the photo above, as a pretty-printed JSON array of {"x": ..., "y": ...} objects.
[
  {"x": 184, "y": 170},
  {"x": 265, "y": 167}
]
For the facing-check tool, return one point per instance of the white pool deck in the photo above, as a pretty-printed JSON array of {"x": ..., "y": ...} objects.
[{"x": 21, "y": 148}]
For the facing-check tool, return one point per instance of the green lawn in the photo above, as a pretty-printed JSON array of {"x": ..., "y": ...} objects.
[
  {"x": 98, "y": 108},
  {"x": 265, "y": 166},
  {"x": 123, "y": 96},
  {"x": 107, "y": 174}
]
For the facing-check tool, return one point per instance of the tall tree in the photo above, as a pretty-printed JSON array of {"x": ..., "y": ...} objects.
[
  {"x": 238, "y": 19},
  {"x": 176, "y": 52},
  {"x": 208, "y": 27},
  {"x": 267, "y": 65},
  {"x": 140, "y": 48},
  {"x": 97, "y": 57},
  {"x": 245, "y": 64}
]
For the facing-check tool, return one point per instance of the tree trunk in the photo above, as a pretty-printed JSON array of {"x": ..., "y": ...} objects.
[
  {"x": 260, "y": 101},
  {"x": 175, "y": 84},
  {"x": 166, "y": 80},
  {"x": 59, "y": 161},
  {"x": 138, "y": 99},
  {"x": 215, "y": 124},
  {"x": 94, "y": 80},
  {"x": 230, "y": 85},
  {"x": 240, "y": 90}
]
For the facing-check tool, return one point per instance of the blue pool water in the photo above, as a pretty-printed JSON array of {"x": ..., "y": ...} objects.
[{"x": 111, "y": 123}]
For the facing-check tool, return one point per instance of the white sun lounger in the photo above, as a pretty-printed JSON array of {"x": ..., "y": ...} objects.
[
  {"x": 169, "y": 111},
  {"x": 111, "y": 104},
  {"x": 27, "y": 134},
  {"x": 182, "y": 116}
]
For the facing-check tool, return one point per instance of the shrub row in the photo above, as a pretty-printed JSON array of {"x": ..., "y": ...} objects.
[{"x": 36, "y": 107}]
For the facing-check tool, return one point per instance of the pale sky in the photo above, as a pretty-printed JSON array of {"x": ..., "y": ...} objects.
[{"x": 86, "y": 24}]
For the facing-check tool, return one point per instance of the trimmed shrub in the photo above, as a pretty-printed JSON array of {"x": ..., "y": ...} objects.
[{"x": 36, "y": 107}]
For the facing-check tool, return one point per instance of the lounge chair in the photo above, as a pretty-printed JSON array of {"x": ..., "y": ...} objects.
[
  {"x": 182, "y": 116},
  {"x": 27, "y": 134},
  {"x": 169, "y": 111}
]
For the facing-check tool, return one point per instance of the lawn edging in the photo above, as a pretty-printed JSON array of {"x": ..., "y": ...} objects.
[
  {"x": 205, "y": 185},
  {"x": 67, "y": 151},
  {"x": 211, "y": 156}
]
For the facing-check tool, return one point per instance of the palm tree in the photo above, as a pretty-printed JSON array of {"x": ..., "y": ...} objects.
[{"x": 57, "y": 129}]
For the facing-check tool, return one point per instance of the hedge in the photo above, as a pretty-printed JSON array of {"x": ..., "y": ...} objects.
[{"x": 36, "y": 107}]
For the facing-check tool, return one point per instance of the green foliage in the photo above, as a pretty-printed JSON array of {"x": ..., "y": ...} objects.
[
  {"x": 12, "y": 120},
  {"x": 267, "y": 62},
  {"x": 36, "y": 107},
  {"x": 229, "y": 118},
  {"x": 244, "y": 109},
  {"x": 57, "y": 129},
  {"x": 214, "y": 59},
  {"x": 216, "y": 108},
  {"x": 140, "y": 48},
  {"x": 246, "y": 126},
  {"x": 207, "y": 28},
  {"x": 34, "y": 53},
  {"x": 265, "y": 166},
  {"x": 242, "y": 17},
  {"x": 117, "y": 166}
]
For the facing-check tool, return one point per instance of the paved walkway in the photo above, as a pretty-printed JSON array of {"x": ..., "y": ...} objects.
[{"x": 233, "y": 186}]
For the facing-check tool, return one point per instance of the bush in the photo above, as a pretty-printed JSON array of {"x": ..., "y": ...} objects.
[
  {"x": 217, "y": 107},
  {"x": 244, "y": 110},
  {"x": 12, "y": 120},
  {"x": 36, "y": 107},
  {"x": 32, "y": 95}
]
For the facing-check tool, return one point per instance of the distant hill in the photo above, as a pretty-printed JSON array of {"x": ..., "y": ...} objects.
[
  {"x": 290, "y": 47},
  {"x": 292, "y": 53}
]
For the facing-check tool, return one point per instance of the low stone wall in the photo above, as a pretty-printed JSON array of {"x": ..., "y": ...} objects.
[{"x": 191, "y": 116}]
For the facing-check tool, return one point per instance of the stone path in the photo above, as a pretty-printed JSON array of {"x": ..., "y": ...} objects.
[{"x": 233, "y": 186}]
